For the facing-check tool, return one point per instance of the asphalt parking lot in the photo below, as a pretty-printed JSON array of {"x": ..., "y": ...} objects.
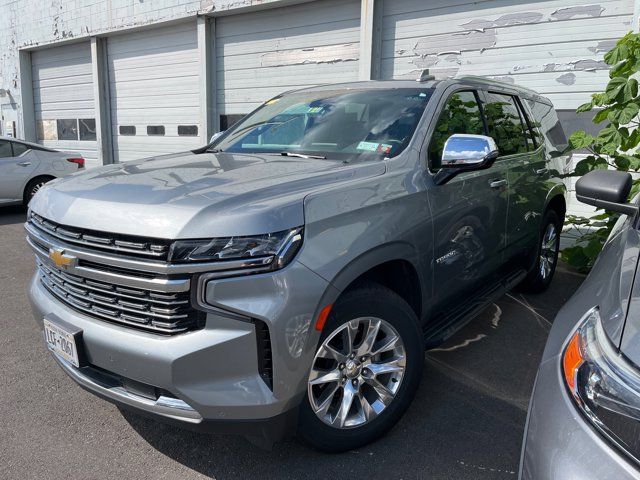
[{"x": 466, "y": 422}]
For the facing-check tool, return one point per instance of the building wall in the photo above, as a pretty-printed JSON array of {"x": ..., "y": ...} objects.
[
  {"x": 36, "y": 23},
  {"x": 553, "y": 46},
  {"x": 32, "y": 23}
]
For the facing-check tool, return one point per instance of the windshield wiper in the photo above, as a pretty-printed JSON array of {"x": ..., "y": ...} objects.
[{"x": 302, "y": 155}]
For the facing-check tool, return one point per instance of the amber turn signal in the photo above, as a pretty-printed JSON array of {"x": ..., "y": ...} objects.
[
  {"x": 572, "y": 361},
  {"x": 322, "y": 318}
]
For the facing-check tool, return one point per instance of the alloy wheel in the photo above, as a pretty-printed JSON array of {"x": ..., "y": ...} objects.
[
  {"x": 548, "y": 251},
  {"x": 356, "y": 372},
  {"x": 36, "y": 188}
]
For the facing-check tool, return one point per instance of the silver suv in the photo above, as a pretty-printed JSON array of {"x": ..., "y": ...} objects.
[{"x": 291, "y": 274}]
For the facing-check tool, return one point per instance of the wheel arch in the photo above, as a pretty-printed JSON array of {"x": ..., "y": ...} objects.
[
  {"x": 556, "y": 200},
  {"x": 392, "y": 265},
  {"x": 32, "y": 180}
]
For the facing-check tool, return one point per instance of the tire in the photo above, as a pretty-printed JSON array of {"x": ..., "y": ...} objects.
[
  {"x": 365, "y": 306},
  {"x": 33, "y": 186},
  {"x": 540, "y": 276}
]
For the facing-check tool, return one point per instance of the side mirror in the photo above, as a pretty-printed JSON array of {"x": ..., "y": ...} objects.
[
  {"x": 607, "y": 189},
  {"x": 463, "y": 153},
  {"x": 215, "y": 136}
]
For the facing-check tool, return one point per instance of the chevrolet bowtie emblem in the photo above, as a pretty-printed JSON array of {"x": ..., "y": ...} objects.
[{"x": 61, "y": 259}]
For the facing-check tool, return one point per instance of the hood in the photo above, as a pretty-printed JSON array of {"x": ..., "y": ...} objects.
[{"x": 194, "y": 195}]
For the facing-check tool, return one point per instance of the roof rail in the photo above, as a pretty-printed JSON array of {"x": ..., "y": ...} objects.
[{"x": 491, "y": 81}]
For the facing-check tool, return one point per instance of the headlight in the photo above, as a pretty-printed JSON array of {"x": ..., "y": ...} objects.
[
  {"x": 272, "y": 249},
  {"x": 605, "y": 386}
]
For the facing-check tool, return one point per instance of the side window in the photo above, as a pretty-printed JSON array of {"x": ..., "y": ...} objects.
[
  {"x": 547, "y": 122},
  {"x": 5, "y": 149},
  {"x": 505, "y": 123},
  {"x": 532, "y": 135},
  {"x": 19, "y": 149},
  {"x": 461, "y": 114}
]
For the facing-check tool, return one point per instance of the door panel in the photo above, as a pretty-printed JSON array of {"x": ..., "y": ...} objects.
[
  {"x": 469, "y": 212},
  {"x": 14, "y": 171},
  {"x": 469, "y": 215},
  {"x": 521, "y": 160}
]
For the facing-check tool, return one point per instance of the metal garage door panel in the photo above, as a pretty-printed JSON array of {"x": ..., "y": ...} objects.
[
  {"x": 262, "y": 54},
  {"x": 63, "y": 90},
  {"x": 154, "y": 81}
]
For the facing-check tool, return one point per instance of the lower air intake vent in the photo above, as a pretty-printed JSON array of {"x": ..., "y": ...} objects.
[{"x": 265, "y": 358}]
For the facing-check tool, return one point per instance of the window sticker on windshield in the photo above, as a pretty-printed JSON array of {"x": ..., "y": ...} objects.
[
  {"x": 374, "y": 147},
  {"x": 368, "y": 146},
  {"x": 384, "y": 148},
  {"x": 303, "y": 108}
]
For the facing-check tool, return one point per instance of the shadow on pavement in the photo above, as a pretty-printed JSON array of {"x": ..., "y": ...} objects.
[
  {"x": 13, "y": 215},
  {"x": 466, "y": 422}
]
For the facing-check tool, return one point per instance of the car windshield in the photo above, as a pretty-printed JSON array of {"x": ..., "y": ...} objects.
[{"x": 347, "y": 124}]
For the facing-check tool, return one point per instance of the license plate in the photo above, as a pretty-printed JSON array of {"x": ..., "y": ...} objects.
[{"x": 61, "y": 342}]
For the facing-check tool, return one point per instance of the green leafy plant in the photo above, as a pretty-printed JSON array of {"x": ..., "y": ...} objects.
[{"x": 614, "y": 146}]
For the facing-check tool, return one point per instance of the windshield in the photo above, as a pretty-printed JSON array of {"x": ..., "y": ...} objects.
[{"x": 338, "y": 124}]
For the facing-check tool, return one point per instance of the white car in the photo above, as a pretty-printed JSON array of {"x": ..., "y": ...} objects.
[{"x": 25, "y": 167}]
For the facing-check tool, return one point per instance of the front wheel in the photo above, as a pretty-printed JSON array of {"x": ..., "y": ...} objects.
[
  {"x": 542, "y": 273},
  {"x": 365, "y": 372}
]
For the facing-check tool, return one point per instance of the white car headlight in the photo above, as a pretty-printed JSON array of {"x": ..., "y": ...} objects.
[
  {"x": 276, "y": 249},
  {"x": 604, "y": 384}
]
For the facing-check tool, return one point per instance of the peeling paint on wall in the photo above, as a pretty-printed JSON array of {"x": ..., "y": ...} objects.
[
  {"x": 603, "y": 46},
  {"x": 445, "y": 51},
  {"x": 590, "y": 65},
  {"x": 567, "y": 79},
  {"x": 587, "y": 65},
  {"x": 330, "y": 54},
  {"x": 504, "y": 20},
  {"x": 579, "y": 11}
]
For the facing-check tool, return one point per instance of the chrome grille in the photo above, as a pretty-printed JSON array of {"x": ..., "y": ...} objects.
[
  {"x": 155, "y": 311},
  {"x": 129, "y": 245}
]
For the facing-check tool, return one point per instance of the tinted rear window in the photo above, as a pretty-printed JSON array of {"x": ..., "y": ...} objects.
[{"x": 546, "y": 121}]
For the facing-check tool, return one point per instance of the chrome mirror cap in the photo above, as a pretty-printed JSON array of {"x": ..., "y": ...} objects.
[
  {"x": 215, "y": 136},
  {"x": 465, "y": 150}
]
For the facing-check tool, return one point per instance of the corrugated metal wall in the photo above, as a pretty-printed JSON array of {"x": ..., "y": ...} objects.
[
  {"x": 63, "y": 97},
  {"x": 553, "y": 47},
  {"x": 154, "y": 87},
  {"x": 261, "y": 54}
]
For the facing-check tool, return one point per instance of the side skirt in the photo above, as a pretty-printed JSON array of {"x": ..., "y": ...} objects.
[{"x": 447, "y": 322}]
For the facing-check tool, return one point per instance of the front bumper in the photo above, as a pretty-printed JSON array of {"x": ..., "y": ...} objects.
[
  {"x": 212, "y": 374},
  {"x": 559, "y": 443}
]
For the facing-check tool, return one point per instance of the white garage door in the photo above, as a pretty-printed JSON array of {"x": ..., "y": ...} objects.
[
  {"x": 553, "y": 47},
  {"x": 153, "y": 88},
  {"x": 63, "y": 99},
  {"x": 262, "y": 54}
]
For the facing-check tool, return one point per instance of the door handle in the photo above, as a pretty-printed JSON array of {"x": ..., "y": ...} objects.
[
  {"x": 24, "y": 164},
  {"x": 542, "y": 171},
  {"x": 497, "y": 183}
]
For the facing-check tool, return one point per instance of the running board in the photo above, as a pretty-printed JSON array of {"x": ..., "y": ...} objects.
[{"x": 444, "y": 324}]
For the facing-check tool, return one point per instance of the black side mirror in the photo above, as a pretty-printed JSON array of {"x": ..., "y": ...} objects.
[
  {"x": 607, "y": 189},
  {"x": 463, "y": 153}
]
